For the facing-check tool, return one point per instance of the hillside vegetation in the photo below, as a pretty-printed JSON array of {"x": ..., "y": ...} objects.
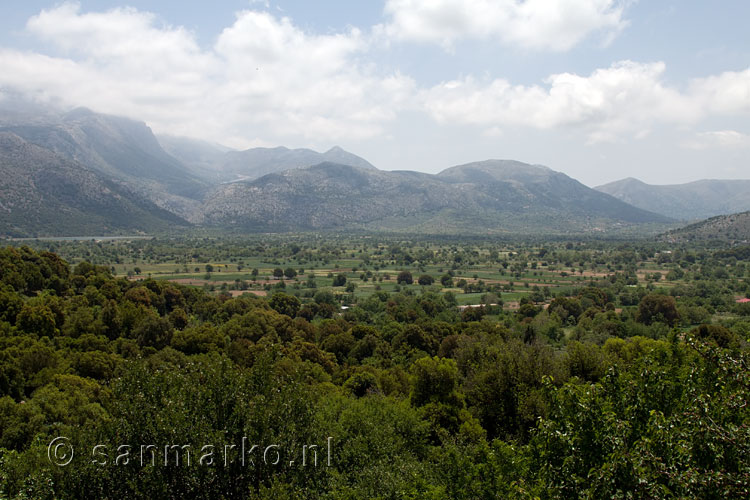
[{"x": 733, "y": 228}]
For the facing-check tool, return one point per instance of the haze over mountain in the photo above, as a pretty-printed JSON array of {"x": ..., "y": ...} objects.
[
  {"x": 119, "y": 148},
  {"x": 43, "y": 193},
  {"x": 691, "y": 201},
  {"x": 217, "y": 163},
  {"x": 271, "y": 189},
  {"x": 200, "y": 157},
  {"x": 257, "y": 162}
]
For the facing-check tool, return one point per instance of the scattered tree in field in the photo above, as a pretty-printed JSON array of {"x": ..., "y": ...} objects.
[
  {"x": 426, "y": 280},
  {"x": 404, "y": 278},
  {"x": 658, "y": 308}
]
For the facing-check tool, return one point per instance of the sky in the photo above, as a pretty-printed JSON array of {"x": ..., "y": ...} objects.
[{"x": 601, "y": 90}]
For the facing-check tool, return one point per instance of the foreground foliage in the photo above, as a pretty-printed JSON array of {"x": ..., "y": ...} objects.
[{"x": 606, "y": 393}]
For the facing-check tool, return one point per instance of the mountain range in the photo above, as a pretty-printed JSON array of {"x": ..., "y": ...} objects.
[
  {"x": 216, "y": 163},
  {"x": 689, "y": 202},
  {"x": 82, "y": 173},
  {"x": 492, "y": 196}
]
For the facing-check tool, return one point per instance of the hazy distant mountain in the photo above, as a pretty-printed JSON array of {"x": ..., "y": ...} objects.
[
  {"x": 114, "y": 145},
  {"x": 201, "y": 157},
  {"x": 217, "y": 163},
  {"x": 257, "y": 162},
  {"x": 43, "y": 193},
  {"x": 120, "y": 148},
  {"x": 731, "y": 228},
  {"x": 494, "y": 196},
  {"x": 691, "y": 201},
  {"x": 14, "y": 109},
  {"x": 518, "y": 184}
]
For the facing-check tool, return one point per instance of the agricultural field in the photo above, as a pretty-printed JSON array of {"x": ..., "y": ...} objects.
[{"x": 470, "y": 272}]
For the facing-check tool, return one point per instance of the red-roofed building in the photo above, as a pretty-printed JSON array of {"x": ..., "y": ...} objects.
[{"x": 743, "y": 301}]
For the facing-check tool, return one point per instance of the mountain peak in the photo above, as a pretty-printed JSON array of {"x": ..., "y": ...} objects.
[
  {"x": 255, "y": 163},
  {"x": 79, "y": 112},
  {"x": 496, "y": 170},
  {"x": 339, "y": 155},
  {"x": 627, "y": 181}
]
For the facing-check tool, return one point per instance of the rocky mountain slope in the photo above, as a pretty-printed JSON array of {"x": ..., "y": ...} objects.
[
  {"x": 520, "y": 185},
  {"x": 733, "y": 228},
  {"x": 691, "y": 201},
  {"x": 121, "y": 149},
  {"x": 43, "y": 193},
  {"x": 494, "y": 196},
  {"x": 116, "y": 146}
]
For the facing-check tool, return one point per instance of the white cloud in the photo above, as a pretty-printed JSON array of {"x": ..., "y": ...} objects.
[
  {"x": 626, "y": 99},
  {"x": 265, "y": 79},
  {"x": 554, "y": 25},
  {"x": 119, "y": 36},
  {"x": 721, "y": 139},
  {"x": 312, "y": 83},
  {"x": 728, "y": 92},
  {"x": 264, "y": 76}
]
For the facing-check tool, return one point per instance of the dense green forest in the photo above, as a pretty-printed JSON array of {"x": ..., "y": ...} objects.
[{"x": 438, "y": 369}]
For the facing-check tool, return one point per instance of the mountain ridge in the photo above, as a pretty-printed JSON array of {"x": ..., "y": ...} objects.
[
  {"x": 330, "y": 195},
  {"x": 42, "y": 193},
  {"x": 694, "y": 200},
  {"x": 256, "y": 162}
]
